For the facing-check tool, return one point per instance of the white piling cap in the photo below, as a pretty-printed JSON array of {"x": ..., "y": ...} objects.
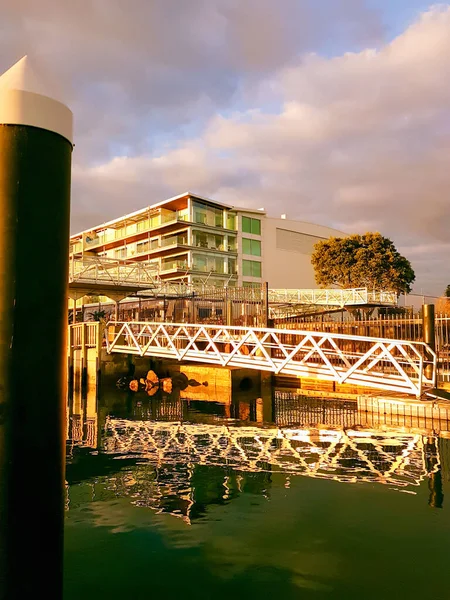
[{"x": 27, "y": 99}]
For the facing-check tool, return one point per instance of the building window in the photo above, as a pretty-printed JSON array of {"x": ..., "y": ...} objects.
[
  {"x": 231, "y": 221},
  {"x": 251, "y": 268},
  {"x": 177, "y": 262},
  {"x": 200, "y": 262},
  {"x": 204, "y": 240},
  {"x": 231, "y": 244},
  {"x": 142, "y": 247},
  {"x": 121, "y": 253},
  {"x": 250, "y": 225},
  {"x": 231, "y": 266},
  {"x": 207, "y": 215},
  {"x": 252, "y": 247},
  {"x": 183, "y": 215},
  {"x": 143, "y": 225},
  {"x": 251, "y": 284},
  {"x": 200, "y": 217},
  {"x": 120, "y": 233}
]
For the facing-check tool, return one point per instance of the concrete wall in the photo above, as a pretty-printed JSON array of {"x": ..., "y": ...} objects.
[{"x": 291, "y": 268}]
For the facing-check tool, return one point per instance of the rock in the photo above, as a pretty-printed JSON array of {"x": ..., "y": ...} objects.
[
  {"x": 166, "y": 385},
  {"x": 153, "y": 377},
  {"x": 134, "y": 385}
]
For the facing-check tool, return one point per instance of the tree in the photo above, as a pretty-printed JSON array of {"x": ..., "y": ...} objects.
[
  {"x": 97, "y": 315},
  {"x": 447, "y": 291},
  {"x": 368, "y": 260}
]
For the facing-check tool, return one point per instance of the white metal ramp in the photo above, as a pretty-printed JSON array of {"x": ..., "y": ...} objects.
[{"x": 386, "y": 364}]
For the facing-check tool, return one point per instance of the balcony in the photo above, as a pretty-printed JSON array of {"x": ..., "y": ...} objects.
[
  {"x": 174, "y": 265},
  {"x": 216, "y": 243},
  {"x": 153, "y": 246},
  {"x": 177, "y": 240},
  {"x": 219, "y": 247},
  {"x": 112, "y": 235},
  {"x": 216, "y": 270}
]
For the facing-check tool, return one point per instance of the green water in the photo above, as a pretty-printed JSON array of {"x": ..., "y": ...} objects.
[{"x": 175, "y": 499}]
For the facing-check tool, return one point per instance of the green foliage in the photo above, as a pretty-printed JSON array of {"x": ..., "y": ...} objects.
[
  {"x": 368, "y": 260},
  {"x": 447, "y": 291},
  {"x": 97, "y": 315}
]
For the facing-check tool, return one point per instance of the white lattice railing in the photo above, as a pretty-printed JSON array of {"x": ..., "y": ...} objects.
[
  {"x": 107, "y": 271},
  {"x": 145, "y": 275},
  {"x": 394, "y": 365},
  {"x": 339, "y": 297},
  {"x": 381, "y": 456},
  {"x": 163, "y": 477}
]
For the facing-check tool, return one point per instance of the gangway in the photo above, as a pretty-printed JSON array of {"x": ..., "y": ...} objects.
[
  {"x": 98, "y": 274},
  {"x": 386, "y": 364},
  {"x": 332, "y": 297},
  {"x": 103, "y": 274}
]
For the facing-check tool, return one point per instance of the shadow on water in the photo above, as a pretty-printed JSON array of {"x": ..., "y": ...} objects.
[{"x": 251, "y": 493}]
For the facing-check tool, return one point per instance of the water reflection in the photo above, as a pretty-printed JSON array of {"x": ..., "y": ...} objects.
[{"x": 178, "y": 456}]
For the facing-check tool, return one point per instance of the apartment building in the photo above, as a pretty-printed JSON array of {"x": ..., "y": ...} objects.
[{"x": 196, "y": 240}]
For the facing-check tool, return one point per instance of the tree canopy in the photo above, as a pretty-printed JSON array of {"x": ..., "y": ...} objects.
[{"x": 368, "y": 260}]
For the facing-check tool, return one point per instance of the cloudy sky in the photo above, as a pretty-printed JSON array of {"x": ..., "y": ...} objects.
[{"x": 332, "y": 111}]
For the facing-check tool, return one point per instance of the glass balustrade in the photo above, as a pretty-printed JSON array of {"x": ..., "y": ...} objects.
[
  {"x": 214, "y": 264},
  {"x": 78, "y": 247},
  {"x": 180, "y": 240},
  {"x": 174, "y": 264},
  {"x": 153, "y": 222}
]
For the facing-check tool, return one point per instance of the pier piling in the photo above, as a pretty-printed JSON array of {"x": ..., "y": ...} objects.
[{"x": 35, "y": 171}]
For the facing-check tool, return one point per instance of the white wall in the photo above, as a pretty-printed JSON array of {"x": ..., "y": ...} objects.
[{"x": 287, "y": 257}]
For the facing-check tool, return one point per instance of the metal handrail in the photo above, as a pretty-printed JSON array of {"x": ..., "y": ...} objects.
[
  {"x": 105, "y": 270},
  {"x": 332, "y": 297},
  {"x": 395, "y": 365}
]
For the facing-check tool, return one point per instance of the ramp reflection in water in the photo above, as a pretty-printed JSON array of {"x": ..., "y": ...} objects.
[{"x": 176, "y": 456}]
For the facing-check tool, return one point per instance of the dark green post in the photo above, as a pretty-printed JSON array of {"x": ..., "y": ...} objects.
[
  {"x": 429, "y": 333},
  {"x": 35, "y": 170}
]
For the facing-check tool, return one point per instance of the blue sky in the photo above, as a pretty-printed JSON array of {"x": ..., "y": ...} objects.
[{"x": 398, "y": 14}]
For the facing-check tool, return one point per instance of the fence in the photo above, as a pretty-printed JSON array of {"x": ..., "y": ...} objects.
[
  {"x": 84, "y": 335},
  {"x": 239, "y": 306},
  {"x": 399, "y": 327}
]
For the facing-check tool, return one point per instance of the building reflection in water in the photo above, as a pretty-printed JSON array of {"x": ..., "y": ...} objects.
[{"x": 179, "y": 456}]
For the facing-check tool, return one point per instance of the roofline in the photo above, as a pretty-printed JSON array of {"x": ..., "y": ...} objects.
[
  {"x": 107, "y": 224},
  {"x": 308, "y": 223},
  {"x": 254, "y": 211}
]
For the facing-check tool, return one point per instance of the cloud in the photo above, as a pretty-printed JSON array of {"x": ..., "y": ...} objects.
[
  {"x": 139, "y": 71},
  {"x": 251, "y": 103}
]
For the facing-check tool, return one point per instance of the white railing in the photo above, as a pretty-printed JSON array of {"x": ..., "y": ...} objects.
[
  {"x": 396, "y": 459},
  {"x": 96, "y": 270},
  {"x": 99, "y": 239},
  {"x": 339, "y": 297},
  {"x": 84, "y": 334},
  {"x": 394, "y": 365},
  {"x": 321, "y": 453}
]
